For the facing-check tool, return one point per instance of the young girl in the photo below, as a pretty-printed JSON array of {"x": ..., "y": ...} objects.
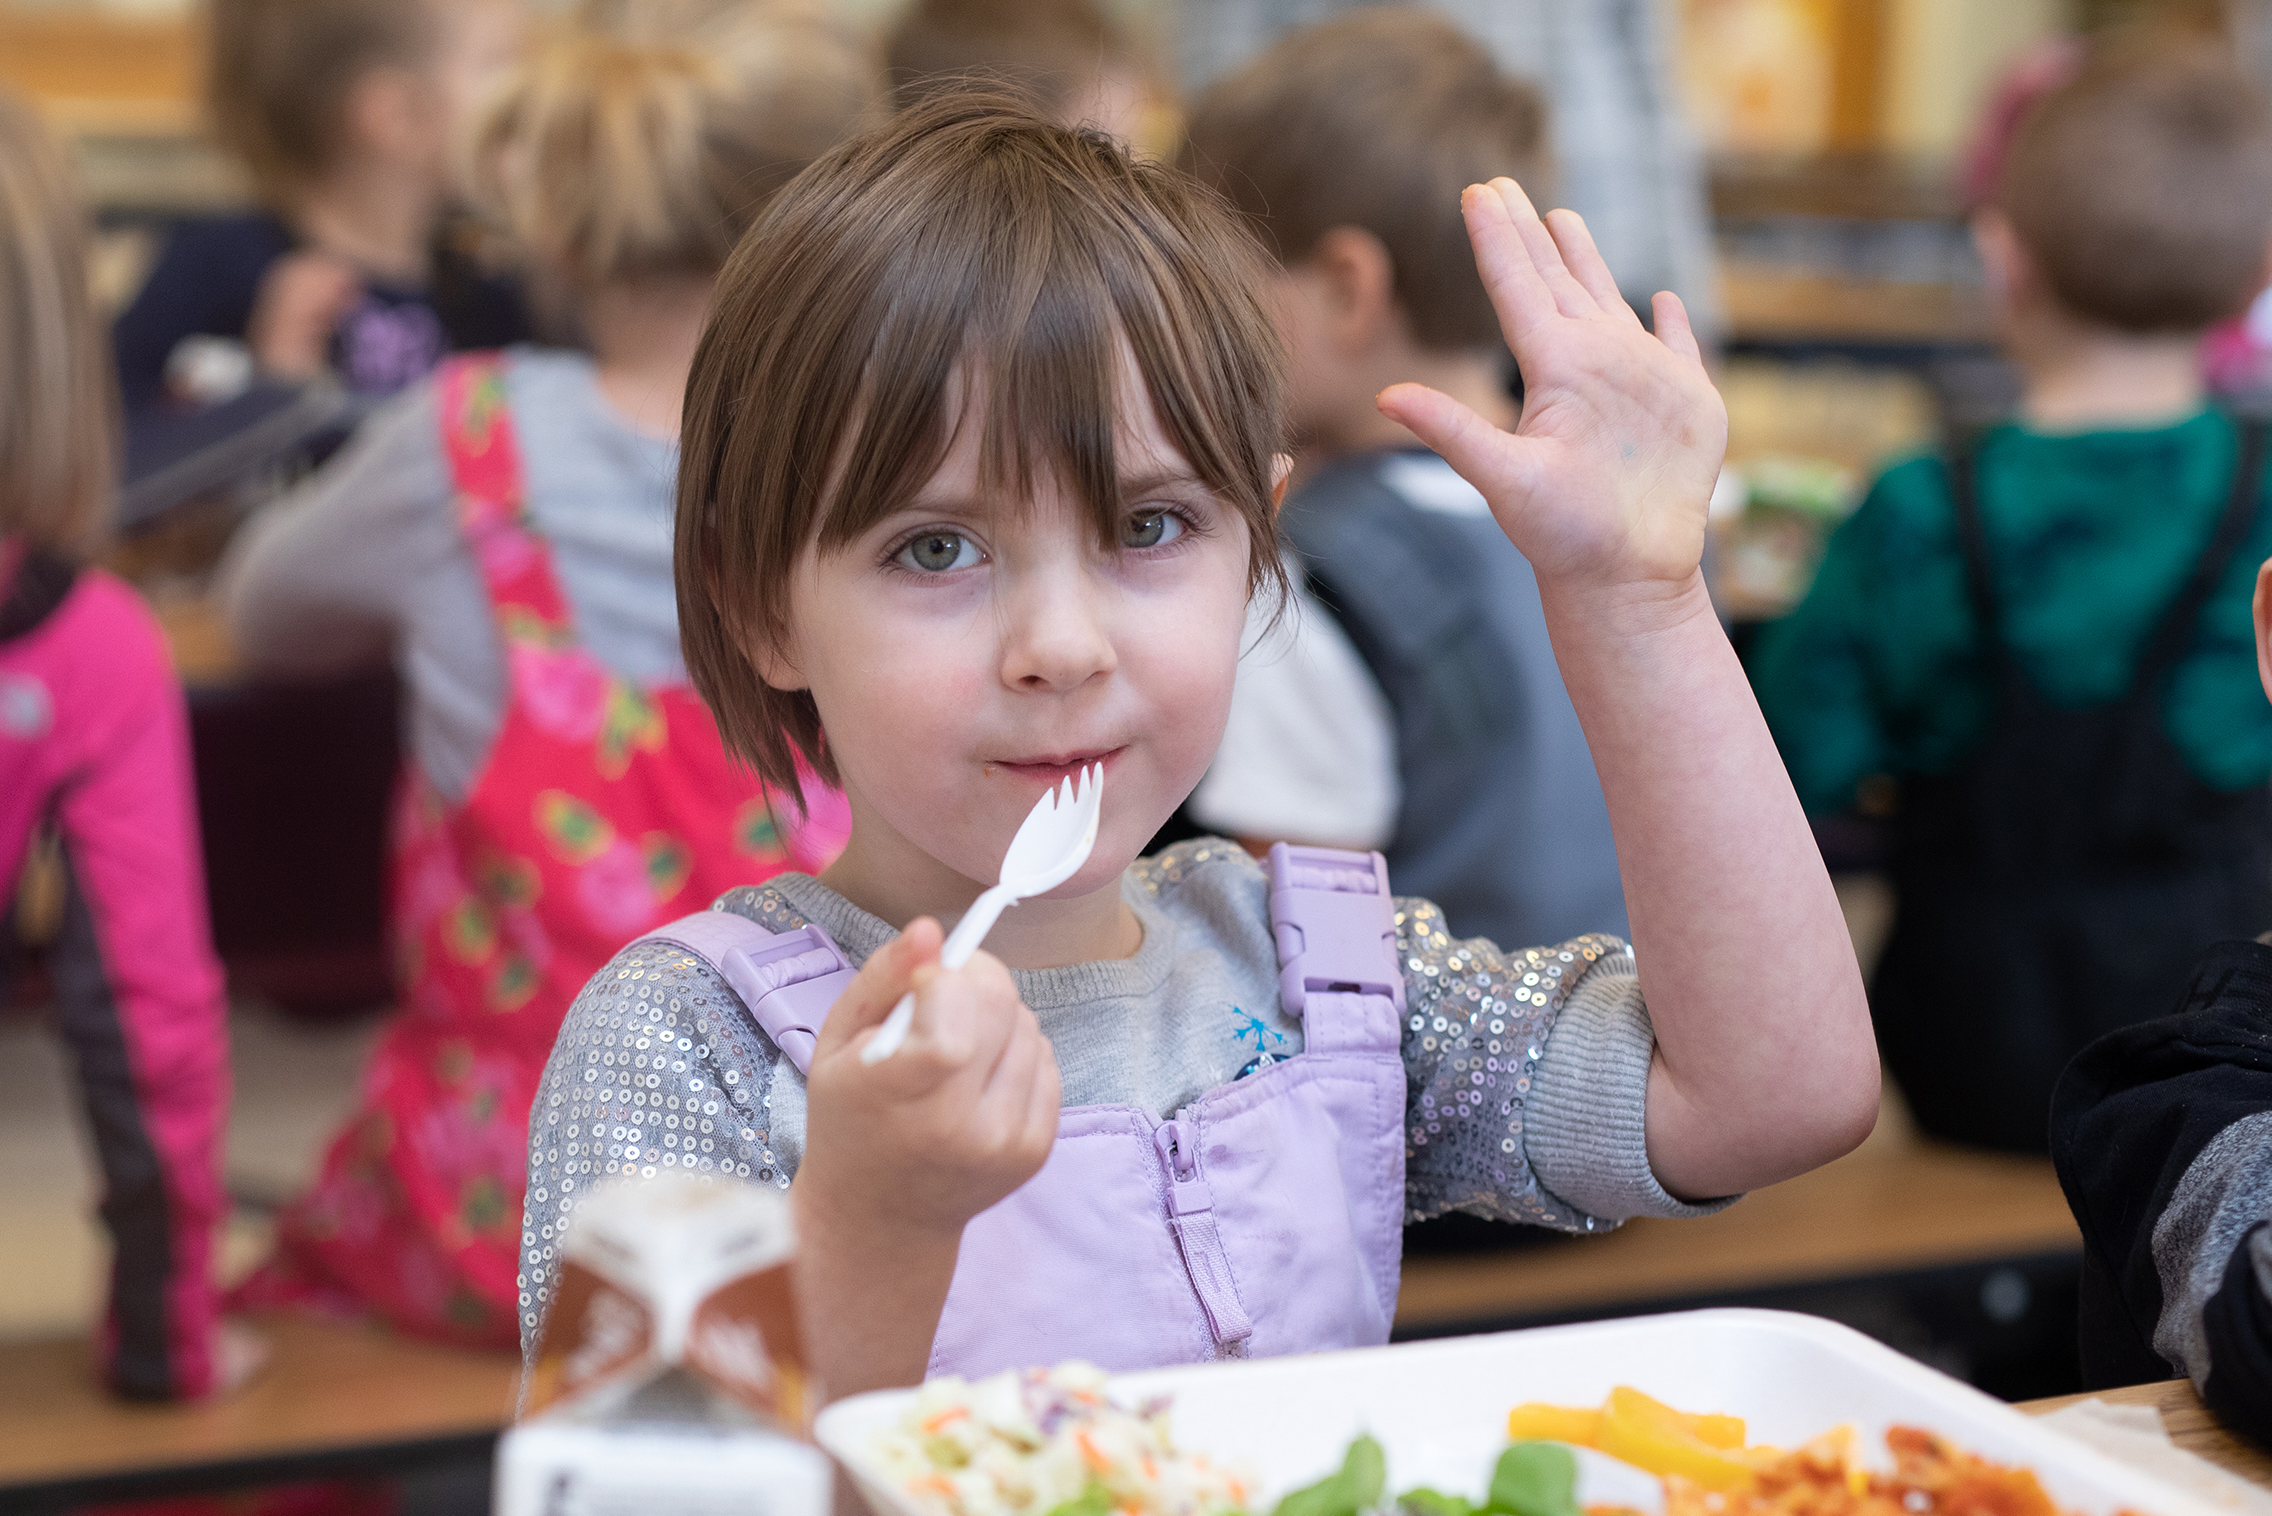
[
  {"x": 507, "y": 530},
  {"x": 978, "y": 477},
  {"x": 94, "y": 745},
  {"x": 343, "y": 112}
]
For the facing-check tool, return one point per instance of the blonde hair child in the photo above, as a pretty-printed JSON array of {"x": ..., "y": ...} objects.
[{"x": 505, "y": 530}]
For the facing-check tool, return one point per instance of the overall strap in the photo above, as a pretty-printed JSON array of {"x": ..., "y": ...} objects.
[
  {"x": 486, "y": 477},
  {"x": 1334, "y": 924},
  {"x": 788, "y": 980},
  {"x": 1964, "y": 494},
  {"x": 2171, "y": 635}
]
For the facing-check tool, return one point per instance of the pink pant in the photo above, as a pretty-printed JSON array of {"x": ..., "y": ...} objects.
[{"x": 94, "y": 741}]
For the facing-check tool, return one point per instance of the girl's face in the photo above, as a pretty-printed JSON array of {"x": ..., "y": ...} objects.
[{"x": 966, "y": 655}]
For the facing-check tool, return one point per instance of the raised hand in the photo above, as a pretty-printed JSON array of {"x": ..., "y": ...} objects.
[
  {"x": 300, "y": 303},
  {"x": 1606, "y": 479}
]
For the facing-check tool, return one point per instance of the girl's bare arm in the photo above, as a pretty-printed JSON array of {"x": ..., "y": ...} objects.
[{"x": 1765, "y": 1065}]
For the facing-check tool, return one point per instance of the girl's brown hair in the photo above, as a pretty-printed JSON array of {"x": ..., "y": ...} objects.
[
  {"x": 58, "y": 404},
  {"x": 968, "y": 239},
  {"x": 278, "y": 75},
  {"x": 645, "y": 136}
]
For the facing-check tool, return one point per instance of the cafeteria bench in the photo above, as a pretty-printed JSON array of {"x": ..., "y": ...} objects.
[{"x": 333, "y": 1401}]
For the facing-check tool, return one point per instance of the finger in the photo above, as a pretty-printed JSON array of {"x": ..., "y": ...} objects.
[
  {"x": 887, "y": 975},
  {"x": 964, "y": 1016},
  {"x": 1011, "y": 1079},
  {"x": 1570, "y": 297},
  {"x": 1673, "y": 328},
  {"x": 1585, "y": 263},
  {"x": 1045, "y": 1102},
  {"x": 1479, "y": 452},
  {"x": 1518, "y": 293}
]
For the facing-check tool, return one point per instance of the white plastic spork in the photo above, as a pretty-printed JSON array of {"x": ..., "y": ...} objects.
[{"x": 1050, "y": 848}]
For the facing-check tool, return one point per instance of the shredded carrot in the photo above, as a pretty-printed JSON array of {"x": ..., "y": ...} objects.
[
  {"x": 1091, "y": 1454},
  {"x": 945, "y": 1418}
]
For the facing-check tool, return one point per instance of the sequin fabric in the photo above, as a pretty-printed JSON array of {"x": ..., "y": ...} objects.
[
  {"x": 657, "y": 1068},
  {"x": 1476, "y": 1022}
]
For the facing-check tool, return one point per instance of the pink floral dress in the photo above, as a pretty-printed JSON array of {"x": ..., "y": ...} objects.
[{"x": 606, "y": 809}]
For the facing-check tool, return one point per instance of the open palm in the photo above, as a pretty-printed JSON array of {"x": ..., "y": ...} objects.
[{"x": 1606, "y": 478}]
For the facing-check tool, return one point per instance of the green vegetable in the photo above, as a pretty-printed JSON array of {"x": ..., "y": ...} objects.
[
  {"x": 1096, "y": 1500},
  {"x": 1356, "y": 1488},
  {"x": 1535, "y": 1479},
  {"x": 1427, "y": 1502}
]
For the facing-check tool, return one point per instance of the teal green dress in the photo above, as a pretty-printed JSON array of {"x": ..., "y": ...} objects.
[{"x": 2090, "y": 536}]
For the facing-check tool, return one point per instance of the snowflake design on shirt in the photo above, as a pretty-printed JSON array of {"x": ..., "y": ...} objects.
[{"x": 1266, "y": 1038}]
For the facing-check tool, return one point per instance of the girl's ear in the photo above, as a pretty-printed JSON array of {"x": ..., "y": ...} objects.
[
  {"x": 2262, "y": 606},
  {"x": 771, "y": 664},
  {"x": 1281, "y": 475}
]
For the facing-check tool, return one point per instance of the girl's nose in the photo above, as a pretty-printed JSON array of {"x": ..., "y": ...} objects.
[{"x": 1056, "y": 638}]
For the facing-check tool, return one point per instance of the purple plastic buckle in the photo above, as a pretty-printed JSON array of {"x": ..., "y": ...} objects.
[
  {"x": 1335, "y": 925},
  {"x": 789, "y": 984}
]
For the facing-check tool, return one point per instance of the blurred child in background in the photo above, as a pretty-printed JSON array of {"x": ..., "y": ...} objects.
[
  {"x": 506, "y": 530},
  {"x": 1411, "y": 702},
  {"x": 343, "y": 111},
  {"x": 1068, "y": 56},
  {"x": 2045, "y": 634},
  {"x": 94, "y": 744},
  {"x": 2163, "y": 1137}
]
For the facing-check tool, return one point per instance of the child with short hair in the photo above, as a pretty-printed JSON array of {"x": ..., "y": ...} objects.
[
  {"x": 344, "y": 112},
  {"x": 506, "y": 530},
  {"x": 94, "y": 750},
  {"x": 1070, "y": 56},
  {"x": 979, "y": 475},
  {"x": 2162, "y": 1133},
  {"x": 2044, "y": 634},
  {"x": 1411, "y": 701}
]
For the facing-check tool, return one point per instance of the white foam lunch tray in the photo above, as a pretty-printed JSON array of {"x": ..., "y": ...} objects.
[{"x": 1440, "y": 1408}]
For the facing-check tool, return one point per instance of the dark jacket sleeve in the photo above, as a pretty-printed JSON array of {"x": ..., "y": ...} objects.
[
  {"x": 202, "y": 285},
  {"x": 2162, "y": 1133}
]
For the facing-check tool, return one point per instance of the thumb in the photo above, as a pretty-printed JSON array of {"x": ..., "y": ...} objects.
[
  {"x": 1483, "y": 455},
  {"x": 888, "y": 974}
]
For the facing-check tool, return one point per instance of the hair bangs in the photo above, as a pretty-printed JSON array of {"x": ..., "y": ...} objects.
[
  {"x": 968, "y": 265},
  {"x": 1041, "y": 321}
]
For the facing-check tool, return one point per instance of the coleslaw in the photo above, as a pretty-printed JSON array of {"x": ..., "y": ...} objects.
[{"x": 1048, "y": 1442}]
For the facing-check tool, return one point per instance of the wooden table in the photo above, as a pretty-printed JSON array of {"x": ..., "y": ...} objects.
[
  {"x": 1895, "y": 1205},
  {"x": 332, "y": 1401},
  {"x": 2191, "y": 1425}
]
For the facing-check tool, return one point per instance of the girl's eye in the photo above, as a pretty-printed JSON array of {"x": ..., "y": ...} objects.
[
  {"x": 939, "y": 552},
  {"x": 1151, "y": 529}
]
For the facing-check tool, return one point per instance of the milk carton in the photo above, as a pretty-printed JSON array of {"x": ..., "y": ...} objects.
[{"x": 670, "y": 1378}]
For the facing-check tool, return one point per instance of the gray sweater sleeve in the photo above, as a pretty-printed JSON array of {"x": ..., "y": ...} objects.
[
  {"x": 2224, "y": 1192},
  {"x": 363, "y": 559},
  {"x": 657, "y": 1068},
  {"x": 1529, "y": 1075}
]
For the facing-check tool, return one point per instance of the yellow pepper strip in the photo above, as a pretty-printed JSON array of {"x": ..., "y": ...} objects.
[
  {"x": 1652, "y": 1435},
  {"x": 1538, "y": 1422},
  {"x": 1723, "y": 1432}
]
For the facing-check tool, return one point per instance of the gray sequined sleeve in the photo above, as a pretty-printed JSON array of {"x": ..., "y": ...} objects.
[
  {"x": 1529, "y": 1081},
  {"x": 655, "y": 1069}
]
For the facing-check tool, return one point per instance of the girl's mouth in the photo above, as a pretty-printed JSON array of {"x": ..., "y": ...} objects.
[{"x": 1052, "y": 769}]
